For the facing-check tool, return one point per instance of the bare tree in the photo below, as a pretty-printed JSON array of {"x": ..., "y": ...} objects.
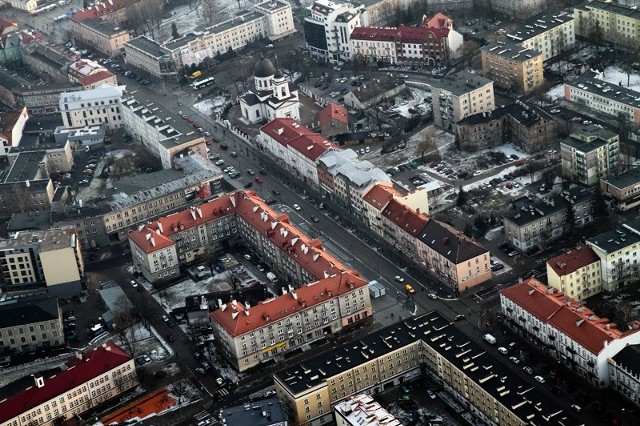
[
  {"x": 427, "y": 142},
  {"x": 126, "y": 320},
  {"x": 468, "y": 51},
  {"x": 209, "y": 10}
]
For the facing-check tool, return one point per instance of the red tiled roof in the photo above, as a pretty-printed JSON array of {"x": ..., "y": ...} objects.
[
  {"x": 150, "y": 240},
  {"x": 334, "y": 112},
  {"x": 404, "y": 217},
  {"x": 374, "y": 34},
  {"x": 568, "y": 263},
  {"x": 155, "y": 402},
  {"x": 284, "y": 130},
  {"x": 439, "y": 20},
  {"x": 421, "y": 34},
  {"x": 6, "y": 23},
  {"x": 379, "y": 195},
  {"x": 312, "y": 145},
  {"x": 100, "y": 9},
  {"x": 237, "y": 320},
  {"x": 573, "y": 319},
  {"x": 95, "y": 78},
  {"x": 94, "y": 363}
]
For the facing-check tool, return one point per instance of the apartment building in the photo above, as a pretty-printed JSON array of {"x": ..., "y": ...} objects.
[
  {"x": 401, "y": 225},
  {"x": 519, "y": 9},
  {"x": 328, "y": 27},
  {"x": 328, "y": 165},
  {"x": 618, "y": 253},
  {"x": 90, "y": 73},
  {"x": 623, "y": 190},
  {"x": 11, "y": 126},
  {"x": 402, "y": 351},
  {"x": 149, "y": 56},
  {"x": 589, "y": 154},
  {"x": 147, "y": 123},
  {"x": 90, "y": 107},
  {"x": 100, "y": 34},
  {"x": 512, "y": 67},
  {"x": 458, "y": 261},
  {"x": 47, "y": 61},
  {"x": 576, "y": 273},
  {"x": 88, "y": 380},
  {"x": 361, "y": 409},
  {"x": 25, "y": 196},
  {"x": 459, "y": 95},
  {"x": 297, "y": 317},
  {"x": 430, "y": 45},
  {"x": 549, "y": 35},
  {"x": 49, "y": 259},
  {"x": 154, "y": 255},
  {"x": 624, "y": 374},
  {"x": 614, "y": 22},
  {"x": 264, "y": 412},
  {"x": 28, "y": 324},
  {"x": 374, "y": 203},
  {"x": 531, "y": 224},
  {"x": 589, "y": 90},
  {"x": 45, "y": 99},
  {"x": 352, "y": 181},
  {"x": 374, "y": 91},
  {"x": 522, "y": 124},
  {"x": 333, "y": 120},
  {"x": 565, "y": 329},
  {"x": 272, "y": 19}
]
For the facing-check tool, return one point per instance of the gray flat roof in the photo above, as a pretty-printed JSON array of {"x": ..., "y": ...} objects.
[
  {"x": 256, "y": 413},
  {"x": 461, "y": 82},
  {"x": 620, "y": 94},
  {"x": 39, "y": 221},
  {"x": 510, "y": 51},
  {"x": 623, "y": 236},
  {"x": 538, "y": 26},
  {"x": 25, "y": 166},
  {"x": 103, "y": 26},
  {"x": 145, "y": 44},
  {"x": 583, "y": 146},
  {"x": 626, "y": 179},
  {"x": 526, "y": 211}
]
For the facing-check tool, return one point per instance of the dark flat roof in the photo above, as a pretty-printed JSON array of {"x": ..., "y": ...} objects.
[{"x": 257, "y": 413}]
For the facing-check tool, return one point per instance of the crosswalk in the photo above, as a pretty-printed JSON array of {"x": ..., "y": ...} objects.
[{"x": 222, "y": 392}]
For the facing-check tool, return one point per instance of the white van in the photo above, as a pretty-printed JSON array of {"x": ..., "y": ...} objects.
[
  {"x": 489, "y": 339},
  {"x": 272, "y": 277}
]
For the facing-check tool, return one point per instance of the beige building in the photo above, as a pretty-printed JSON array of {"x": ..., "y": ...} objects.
[
  {"x": 28, "y": 324},
  {"x": 154, "y": 255},
  {"x": 100, "y": 34},
  {"x": 11, "y": 127},
  {"x": 400, "y": 352},
  {"x": 91, "y": 107},
  {"x": 374, "y": 202},
  {"x": 622, "y": 190},
  {"x": 149, "y": 56},
  {"x": 42, "y": 259},
  {"x": 589, "y": 154},
  {"x": 89, "y": 380},
  {"x": 512, "y": 67},
  {"x": 459, "y": 95},
  {"x": 549, "y": 35},
  {"x": 614, "y": 22},
  {"x": 576, "y": 273}
]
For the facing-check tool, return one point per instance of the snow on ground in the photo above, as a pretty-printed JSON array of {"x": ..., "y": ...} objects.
[
  {"x": 612, "y": 74},
  {"x": 416, "y": 102},
  {"x": 210, "y": 106},
  {"x": 556, "y": 92},
  {"x": 184, "y": 392},
  {"x": 495, "y": 233},
  {"x": 144, "y": 340},
  {"x": 174, "y": 297}
]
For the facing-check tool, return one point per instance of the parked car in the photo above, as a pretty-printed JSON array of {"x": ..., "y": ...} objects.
[
  {"x": 398, "y": 278},
  {"x": 503, "y": 350},
  {"x": 539, "y": 379},
  {"x": 296, "y": 207},
  {"x": 527, "y": 369}
]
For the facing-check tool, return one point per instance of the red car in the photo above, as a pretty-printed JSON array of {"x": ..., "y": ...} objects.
[
  {"x": 189, "y": 120},
  {"x": 208, "y": 142},
  {"x": 259, "y": 179}
]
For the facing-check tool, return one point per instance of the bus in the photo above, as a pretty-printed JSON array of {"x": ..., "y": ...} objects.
[{"x": 197, "y": 85}]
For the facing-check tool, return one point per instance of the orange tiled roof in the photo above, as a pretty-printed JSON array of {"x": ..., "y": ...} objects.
[
  {"x": 312, "y": 146},
  {"x": 95, "y": 78},
  {"x": 238, "y": 320},
  {"x": 334, "y": 112},
  {"x": 380, "y": 195},
  {"x": 565, "y": 314},
  {"x": 568, "y": 263},
  {"x": 412, "y": 222},
  {"x": 153, "y": 403},
  {"x": 284, "y": 130}
]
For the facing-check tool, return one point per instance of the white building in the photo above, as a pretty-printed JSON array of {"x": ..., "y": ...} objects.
[
  {"x": 618, "y": 251},
  {"x": 358, "y": 410},
  {"x": 565, "y": 329},
  {"x": 624, "y": 372},
  {"x": 272, "y": 96},
  {"x": 549, "y": 35},
  {"x": 328, "y": 29},
  {"x": 11, "y": 127},
  {"x": 92, "y": 107}
]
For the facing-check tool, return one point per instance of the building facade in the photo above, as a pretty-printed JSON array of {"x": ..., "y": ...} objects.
[
  {"x": 624, "y": 375},
  {"x": 512, "y": 67},
  {"x": 590, "y": 154},
  {"x": 519, "y": 9},
  {"x": 576, "y": 273},
  {"x": 565, "y": 329},
  {"x": 328, "y": 29},
  {"x": 90, "y": 107},
  {"x": 613, "y": 22},
  {"x": 618, "y": 250},
  {"x": 460, "y": 95},
  {"x": 149, "y": 56},
  {"x": 11, "y": 126},
  {"x": 623, "y": 190},
  {"x": 100, "y": 34},
  {"x": 549, "y": 35}
]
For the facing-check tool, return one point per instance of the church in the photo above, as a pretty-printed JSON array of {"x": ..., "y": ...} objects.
[{"x": 271, "y": 98}]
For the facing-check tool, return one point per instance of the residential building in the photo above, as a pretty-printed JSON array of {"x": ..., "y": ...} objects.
[
  {"x": 26, "y": 5},
  {"x": 549, "y": 35},
  {"x": 374, "y": 91},
  {"x": 90, "y": 107},
  {"x": 147, "y": 123},
  {"x": 28, "y": 324},
  {"x": 458, "y": 5},
  {"x": 351, "y": 182},
  {"x": 459, "y": 95},
  {"x": 522, "y": 124},
  {"x": 362, "y": 409},
  {"x": 614, "y": 22},
  {"x": 114, "y": 11},
  {"x": 434, "y": 46},
  {"x": 457, "y": 260},
  {"x": 374, "y": 203},
  {"x": 328, "y": 165},
  {"x": 90, "y": 74},
  {"x": 565, "y": 329},
  {"x": 25, "y": 196},
  {"x": 589, "y": 154},
  {"x": 429, "y": 344},
  {"x": 154, "y": 255},
  {"x": 264, "y": 412},
  {"x": 333, "y": 120},
  {"x": 89, "y": 380},
  {"x": 401, "y": 225},
  {"x": 623, "y": 190},
  {"x": 519, "y": 9},
  {"x": 589, "y": 90},
  {"x": 576, "y": 273},
  {"x": 149, "y": 56},
  {"x": 624, "y": 374},
  {"x": 618, "y": 252},
  {"x": 47, "y": 61},
  {"x": 529, "y": 224},
  {"x": 45, "y": 99},
  {"x": 11, "y": 126},
  {"x": 271, "y": 97},
  {"x": 512, "y": 67},
  {"x": 328, "y": 28},
  {"x": 99, "y": 34},
  {"x": 272, "y": 19},
  {"x": 49, "y": 259}
]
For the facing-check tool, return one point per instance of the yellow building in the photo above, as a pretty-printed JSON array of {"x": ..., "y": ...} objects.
[
  {"x": 512, "y": 67},
  {"x": 400, "y": 352},
  {"x": 576, "y": 273},
  {"x": 613, "y": 22},
  {"x": 102, "y": 35},
  {"x": 549, "y": 35}
]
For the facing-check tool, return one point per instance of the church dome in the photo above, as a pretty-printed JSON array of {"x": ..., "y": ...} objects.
[
  {"x": 278, "y": 75},
  {"x": 264, "y": 68}
]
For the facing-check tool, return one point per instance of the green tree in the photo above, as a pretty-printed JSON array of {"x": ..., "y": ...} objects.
[
  {"x": 174, "y": 30},
  {"x": 462, "y": 198}
]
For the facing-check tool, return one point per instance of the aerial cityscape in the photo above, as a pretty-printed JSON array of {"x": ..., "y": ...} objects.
[{"x": 320, "y": 212}]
